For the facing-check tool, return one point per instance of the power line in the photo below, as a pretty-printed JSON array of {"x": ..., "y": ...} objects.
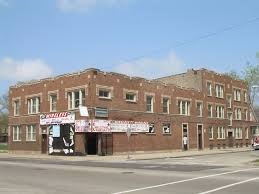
[{"x": 205, "y": 36}]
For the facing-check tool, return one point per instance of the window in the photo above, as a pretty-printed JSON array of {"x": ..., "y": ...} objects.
[
  {"x": 246, "y": 114},
  {"x": 229, "y": 101},
  {"x": 31, "y": 133},
  {"x": 166, "y": 105},
  {"x": 131, "y": 97},
  {"x": 16, "y": 133},
  {"x": 166, "y": 128},
  {"x": 184, "y": 107},
  {"x": 33, "y": 105},
  {"x": 220, "y": 112},
  {"x": 210, "y": 113},
  {"x": 238, "y": 113},
  {"x": 245, "y": 96},
  {"x": 104, "y": 93},
  {"x": 210, "y": 132},
  {"x": 209, "y": 88},
  {"x": 238, "y": 133},
  {"x": 247, "y": 133},
  {"x": 221, "y": 133},
  {"x": 149, "y": 103},
  {"x": 230, "y": 117},
  {"x": 237, "y": 95},
  {"x": 16, "y": 107},
  {"x": 53, "y": 102},
  {"x": 219, "y": 91},
  {"x": 76, "y": 99},
  {"x": 199, "y": 109},
  {"x": 151, "y": 128}
]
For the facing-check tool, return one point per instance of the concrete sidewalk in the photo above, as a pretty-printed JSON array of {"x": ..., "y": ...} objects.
[{"x": 133, "y": 156}]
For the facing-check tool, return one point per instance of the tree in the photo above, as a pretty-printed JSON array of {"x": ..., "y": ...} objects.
[{"x": 3, "y": 112}]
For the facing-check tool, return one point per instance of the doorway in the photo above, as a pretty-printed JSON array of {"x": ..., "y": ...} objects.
[
  {"x": 91, "y": 143},
  {"x": 44, "y": 144},
  {"x": 230, "y": 139},
  {"x": 185, "y": 142},
  {"x": 200, "y": 137}
]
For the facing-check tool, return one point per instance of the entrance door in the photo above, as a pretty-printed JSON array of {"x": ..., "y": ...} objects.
[
  {"x": 200, "y": 139},
  {"x": 230, "y": 139},
  {"x": 185, "y": 136},
  {"x": 44, "y": 143},
  {"x": 91, "y": 143}
]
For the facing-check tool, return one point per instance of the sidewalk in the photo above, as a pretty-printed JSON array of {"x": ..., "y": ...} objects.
[{"x": 124, "y": 157}]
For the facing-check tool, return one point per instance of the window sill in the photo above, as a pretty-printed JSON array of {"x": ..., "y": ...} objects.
[
  {"x": 131, "y": 101},
  {"x": 219, "y": 97},
  {"x": 30, "y": 140},
  {"x": 105, "y": 98},
  {"x": 149, "y": 112},
  {"x": 221, "y": 138},
  {"x": 167, "y": 134},
  {"x": 17, "y": 140},
  {"x": 239, "y": 138},
  {"x": 211, "y": 139}
]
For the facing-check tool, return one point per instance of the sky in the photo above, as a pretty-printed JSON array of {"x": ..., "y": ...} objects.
[{"x": 146, "y": 38}]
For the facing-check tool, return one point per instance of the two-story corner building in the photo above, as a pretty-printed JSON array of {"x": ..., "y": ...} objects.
[{"x": 195, "y": 110}]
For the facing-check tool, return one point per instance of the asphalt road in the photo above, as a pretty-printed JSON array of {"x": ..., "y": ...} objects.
[{"x": 203, "y": 174}]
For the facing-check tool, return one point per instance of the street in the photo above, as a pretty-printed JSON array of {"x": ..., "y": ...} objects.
[{"x": 200, "y": 174}]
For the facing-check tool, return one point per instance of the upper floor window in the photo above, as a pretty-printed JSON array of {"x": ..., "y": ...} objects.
[
  {"x": 166, "y": 128},
  {"x": 130, "y": 95},
  {"x": 219, "y": 91},
  {"x": 230, "y": 117},
  {"x": 245, "y": 96},
  {"x": 209, "y": 88},
  {"x": 31, "y": 133},
  {"x": 184, "y": 107},
  {"x": 238, "y": 133},
  {"x": 106, "y": 92},
  {"x": 210, "y": 132},
  {"x": 165, "y": 105},
  {"x": 238, "y": 113},
  {"x": 17, "y": 105},
  {"x": 53, "y": 102},
  {"x": 149, "y": 103},
  {"x": 76, "y": 99},
  {"x": 16, "y": 133},
  {"x": 220, "y": 111},
  {"x": 199, "y": 108},
  {"x": 221, "y": 133},
  {"x": 33, "y": 105},
  {"x": 237, "y": 95},
  {"x": 246, "y": 114},
  {"x": 229, "y": 101},
  {"x": 210, "y": 111}
]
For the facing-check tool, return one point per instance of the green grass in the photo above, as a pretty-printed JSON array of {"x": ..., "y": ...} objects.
[{"x": 3, "y": 148}]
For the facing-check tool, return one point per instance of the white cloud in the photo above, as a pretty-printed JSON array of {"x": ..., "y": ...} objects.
[
  {"x": 85, "y": 5},
  {"x": 152, "y": 68},
  {"x": 4, "y": 3},
  {"x": 23, "y": 70}
]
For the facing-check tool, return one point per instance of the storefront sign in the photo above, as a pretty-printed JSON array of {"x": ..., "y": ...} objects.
[
  {"x": 101, "y": 126},
  {"x": 122, "y": 126},
  {"x": 82, "y": 126},
  {"x": 57, "y": 118}
]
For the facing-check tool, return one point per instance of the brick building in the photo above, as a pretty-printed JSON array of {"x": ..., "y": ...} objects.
[{"x": 198, "y": 109}]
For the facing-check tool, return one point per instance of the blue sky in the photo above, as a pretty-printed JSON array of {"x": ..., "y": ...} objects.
[{"x": 137, "y": 37}]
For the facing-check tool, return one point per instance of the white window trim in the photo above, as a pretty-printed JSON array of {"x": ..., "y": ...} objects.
[
  {"x": 238, "y": 133},
  {"x": 187, "y": 105},
  {"x": 164, "y": 126},
  {"x": 18, "y": 135},
  {"x": 212, "y": 132},
  {"x": 210, "y": 116},
  {"x": 127, "y": 91},
  {"x": 104, "y": 88},
  {"x": 152, "y": 103},
  {"x": 220, "y": 109},
  {"x": 201, "y": 108},
  {"x": 27, "y": 133},
  {"x": 221, "y": 133},
  {"x": 168, "y": 103},
  {"x": 30, "y": 104},
  {"x": 210, "y": 88},
  {"x": 71, "y": 98}
]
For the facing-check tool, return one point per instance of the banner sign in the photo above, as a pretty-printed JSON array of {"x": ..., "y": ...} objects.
[
  {"x": 122, "y": 126},
  {"x": 101, "y": 126},
  {"x": 57, "y": 118},
  {"x": 82, "y": 126}
]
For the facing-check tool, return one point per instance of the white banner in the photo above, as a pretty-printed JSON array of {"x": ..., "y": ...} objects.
[
  {"x": 122, "y": 126},
  {"x": 101, "y": 126},
  {"x": 57, "y": 118},
  {"x": 82, "y": 126}
]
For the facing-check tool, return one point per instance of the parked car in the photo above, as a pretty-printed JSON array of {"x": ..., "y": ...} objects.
[{"x": 255, "y": 142}]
